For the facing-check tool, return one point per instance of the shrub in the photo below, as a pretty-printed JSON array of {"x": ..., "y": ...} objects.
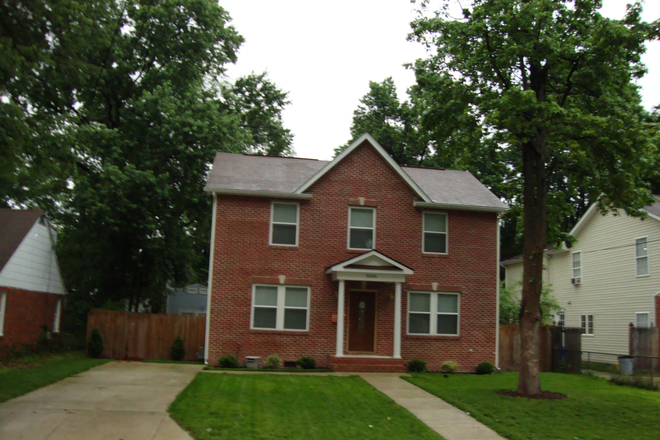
[
  {"x": 273, "y": 361},
  {"x": 449, "y": 367},
  {"x": 306, "y": 363},
  {"x": 416, "y": 365},
  {"x": 178, "y": 350},
  {"x": 485, "y": 368},
  {"x": 228, "y": 361},
  {"x": 635, "y": 381},
  {"x": 95, "y": 344}
]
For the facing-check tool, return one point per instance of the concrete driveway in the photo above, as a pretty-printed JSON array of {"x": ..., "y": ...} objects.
[{"x": 118, "y": 400}]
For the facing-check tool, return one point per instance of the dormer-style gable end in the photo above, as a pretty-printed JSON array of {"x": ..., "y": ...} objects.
[
  {"x": 372, "y": 266},
  {"x": 653, "y": 212},
  {"x": 368, "y": 139}
]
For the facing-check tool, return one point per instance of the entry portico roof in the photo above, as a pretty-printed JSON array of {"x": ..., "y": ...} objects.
[{"x": 370, "y": 266}]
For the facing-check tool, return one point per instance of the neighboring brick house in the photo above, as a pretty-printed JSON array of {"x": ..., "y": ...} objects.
[
  {"x": 31, "y": 290},
  {"x": 357, "y": 262}
]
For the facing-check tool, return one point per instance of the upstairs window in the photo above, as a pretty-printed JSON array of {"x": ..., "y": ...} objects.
[
  {"x": 642, "y": 256},
  {"x": 361, "y": 228},
  {"x": 587, "y": 324},
  {"x": 280, "y": 308},
  {"x": 577, "y": 268},
  {"x": 284, "y": 224},
  {"x": 435, "y": 233}
]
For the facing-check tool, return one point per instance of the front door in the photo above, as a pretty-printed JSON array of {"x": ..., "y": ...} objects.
[{"x": 362, "y": 321}]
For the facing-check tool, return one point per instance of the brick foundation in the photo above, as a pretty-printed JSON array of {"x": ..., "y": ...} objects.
[
  {"x": 25, "y": 312},
  {"x": 242, "y": 255}
]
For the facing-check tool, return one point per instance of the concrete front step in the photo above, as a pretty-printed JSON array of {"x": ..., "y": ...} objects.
[{"x": 368, "y": 364}]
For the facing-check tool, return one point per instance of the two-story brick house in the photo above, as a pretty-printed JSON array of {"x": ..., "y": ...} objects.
[{"x": 357, "y": 262}]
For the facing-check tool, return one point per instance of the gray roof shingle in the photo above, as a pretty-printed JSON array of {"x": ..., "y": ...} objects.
[
  {"x": 654, "y": 208},
  {"x": 240, "y": 173},
  {"x": 451, "y": 187},
  {"x": 14, "y": 226}
]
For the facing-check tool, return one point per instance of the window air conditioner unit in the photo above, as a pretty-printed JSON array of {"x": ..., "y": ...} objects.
[{"x": 576, "y": 281}]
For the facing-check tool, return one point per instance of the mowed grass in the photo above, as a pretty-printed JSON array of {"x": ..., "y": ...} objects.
[
  {"x": 31, "y": 372},
  {"x": 264, "y": 406},
  {"x": 594, "y": 410}
]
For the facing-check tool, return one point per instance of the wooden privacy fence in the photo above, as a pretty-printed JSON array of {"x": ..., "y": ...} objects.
[
  {"x": 510, "y": 348},
  {"x": 645, "y": 346},
  {"x": 128, "y": 335}
]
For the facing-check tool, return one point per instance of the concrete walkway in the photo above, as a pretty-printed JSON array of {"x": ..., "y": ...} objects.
[
  {"x": 118, "y": 400},
  {"x": 446, "y": 420}
]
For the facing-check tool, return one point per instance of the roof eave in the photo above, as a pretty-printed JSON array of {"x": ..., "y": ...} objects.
[
  {"x": 257, "y": 193},
  {"x": 477, "y": 208}
]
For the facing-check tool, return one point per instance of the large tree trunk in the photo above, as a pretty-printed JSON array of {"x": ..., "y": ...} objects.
[
  {"x": 534, "y": 237},
  {"x": 534, "y": 233}
]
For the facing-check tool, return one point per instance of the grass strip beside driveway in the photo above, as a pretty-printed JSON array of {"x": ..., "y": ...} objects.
[
  {"x": 23, "y": 377},
  {"x": 594, "y": 410},
  {"x": 230, "y": 406}
]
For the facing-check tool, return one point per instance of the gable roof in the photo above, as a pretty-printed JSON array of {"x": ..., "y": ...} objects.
[
  {"x": 380, "y": 150},
  {"x": 653, "y": 210},
  {"x": 267, "y": 176},
  {"x": 14, "y": 226}
]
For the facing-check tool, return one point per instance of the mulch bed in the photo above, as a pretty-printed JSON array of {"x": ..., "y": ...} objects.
[{"x": 543, "y": 395}]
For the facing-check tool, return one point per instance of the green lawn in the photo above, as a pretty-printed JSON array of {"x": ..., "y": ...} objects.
[
  {"x": 594, "y": 409},
  {"x": 264, "y": 406},
  {"x": 22, "y": 375}
]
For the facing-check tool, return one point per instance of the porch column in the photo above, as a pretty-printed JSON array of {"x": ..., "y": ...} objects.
[
  {"x": 397, "y": 320},
  {"x": 340, "y": 320}
]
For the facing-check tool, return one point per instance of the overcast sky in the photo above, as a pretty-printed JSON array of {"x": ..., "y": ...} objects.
[{"x": 325, "y": 53}]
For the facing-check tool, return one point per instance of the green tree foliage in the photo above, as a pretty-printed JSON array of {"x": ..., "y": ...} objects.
[
  {"x": 551, "y": 82},
  {"x": 510, "y": 304},
  {"x": 393, "y": 123},
  {"x": 115, "y": 109}
]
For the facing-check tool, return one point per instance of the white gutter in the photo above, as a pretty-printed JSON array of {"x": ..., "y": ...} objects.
[
  {"x": 497, "y": 311},
  {"x": 210, "y": 283},
  {"x": 258, "y": 193},
  {"x": 417, "y": 204}
]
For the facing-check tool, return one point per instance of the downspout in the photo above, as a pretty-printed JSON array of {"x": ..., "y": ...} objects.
[
  {"x": 210, "y": 282},
  {"x": 497, "y": 308}
]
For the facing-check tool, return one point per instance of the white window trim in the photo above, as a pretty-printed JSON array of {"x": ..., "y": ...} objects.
[
  {"x": 272, "y": 222},
  {"x": 648, "y": 266},
  {"x": 433, "y": 324},
  {"x": 191, "y": 290},
  {"x": 57, "y": 317},
  {"x": 205, "y": 290},
  {"x": 581, "y": 267},
  {"x": 3, "y": 312},
  {"x": 586, "y": 326},
  {"x": 348, "y": 234},
  {"x": 280, "y": 307},
  {"x": 648, "y": 317},
  {"x": 563, "y": 315},
  {"x": 424, "y": 232}
]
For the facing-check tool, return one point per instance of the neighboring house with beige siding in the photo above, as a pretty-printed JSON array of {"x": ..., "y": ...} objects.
[{"x": 607, "y": 280}]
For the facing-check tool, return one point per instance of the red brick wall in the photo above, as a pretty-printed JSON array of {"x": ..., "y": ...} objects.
[
  {"x": 25, "y": 312},
  {"x": 243, "y": 256}
]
